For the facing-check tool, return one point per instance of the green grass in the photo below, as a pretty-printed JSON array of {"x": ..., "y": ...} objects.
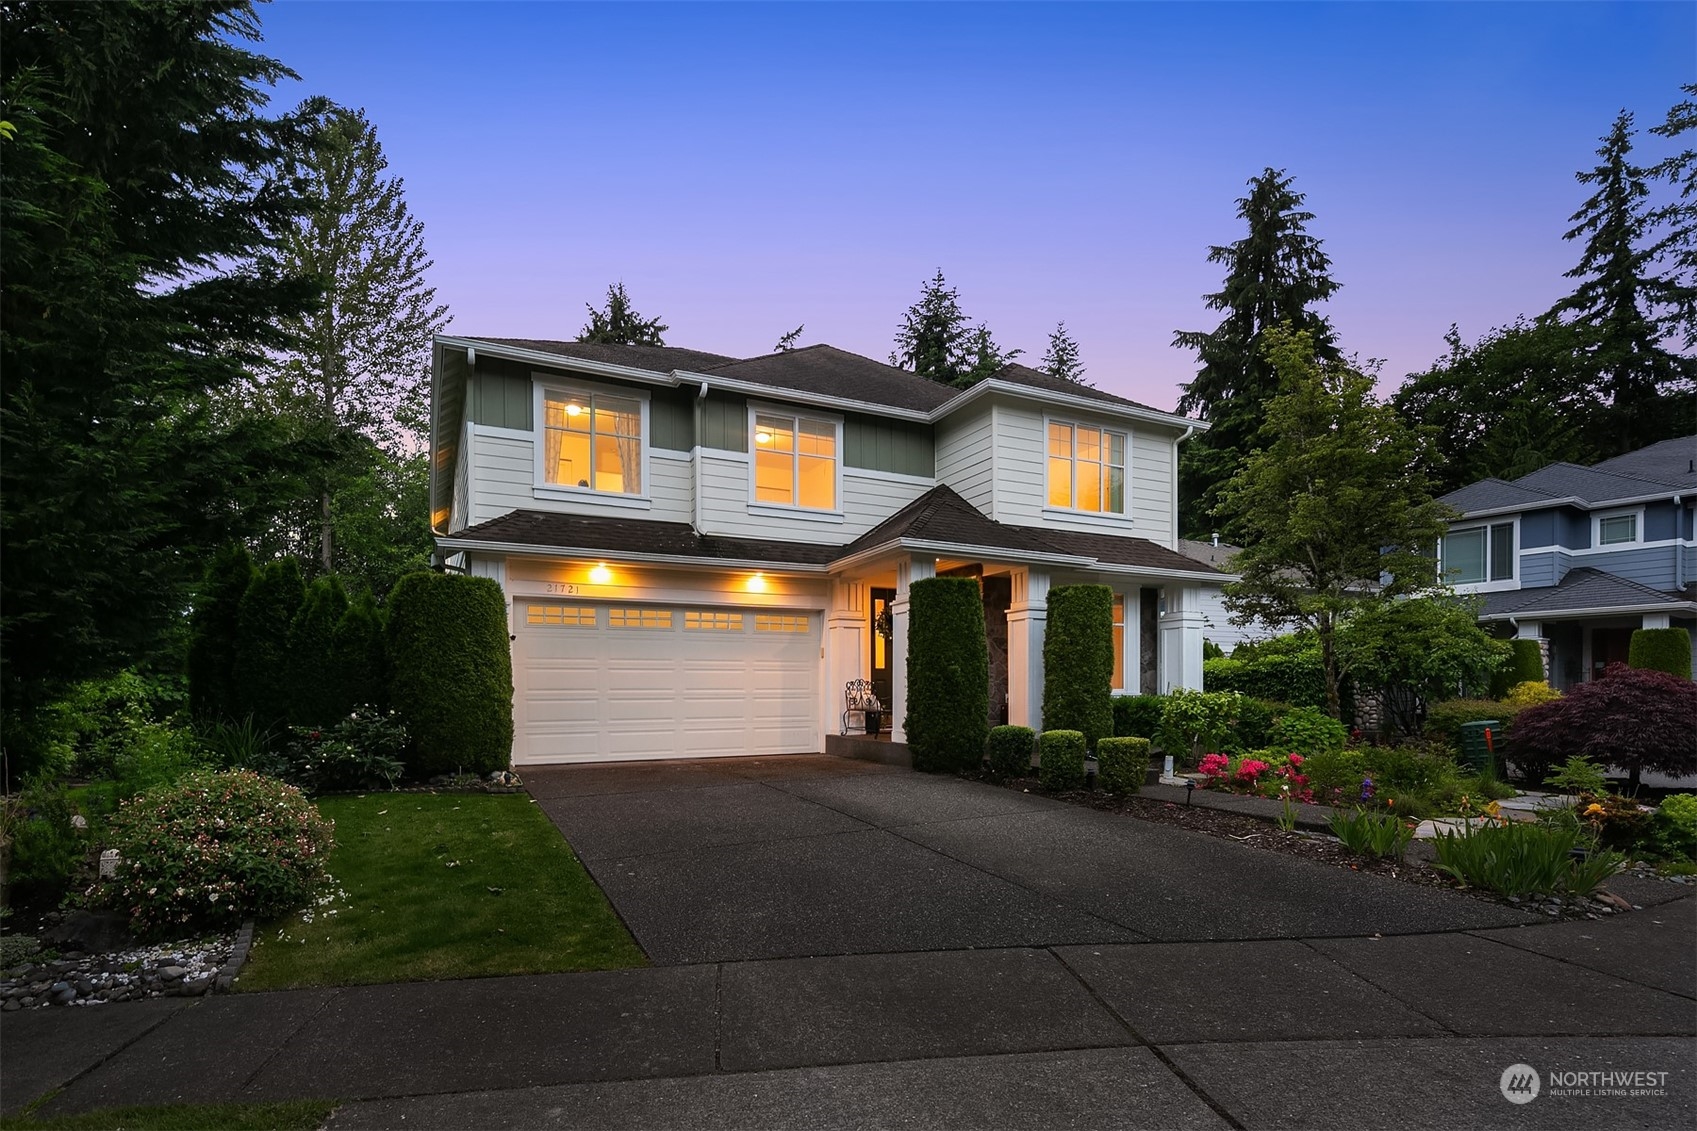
[
  {"x": 453, "y": 885},
  {"x": 296, "y": 1115}
]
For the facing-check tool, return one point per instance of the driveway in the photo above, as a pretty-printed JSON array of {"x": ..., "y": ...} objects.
[{"x": 734, "y": 860}]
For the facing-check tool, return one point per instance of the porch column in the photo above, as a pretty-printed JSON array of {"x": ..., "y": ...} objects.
[
  {"x": 908, "y": 570},
  {"x": 1181, "y": 638},
  {"x": 1657, "y": 620},
  {"x": 845, "y": 647},
  {"x": 1534, "y": 630},
  {"x": 1028, "y": 618}
]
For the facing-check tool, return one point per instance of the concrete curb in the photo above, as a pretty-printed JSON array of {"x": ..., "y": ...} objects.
[{"x": 238, "y": 957}]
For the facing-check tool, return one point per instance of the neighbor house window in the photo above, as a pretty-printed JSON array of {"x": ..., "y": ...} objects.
[
  {"x": 1119, "y": 642},
  {"x": 593, "y": 441},
  {"x": 795, "y": 461},
  {"x": 1086, "y": 468},
  {"x": 1479, "y": 553},
  {"x": 1617, "y": 529}
]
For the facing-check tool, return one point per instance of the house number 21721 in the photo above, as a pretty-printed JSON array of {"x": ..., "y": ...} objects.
[{"x": 563, "y": 588}]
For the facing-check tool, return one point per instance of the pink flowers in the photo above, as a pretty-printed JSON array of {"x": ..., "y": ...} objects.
[
  {"x": 1250, "y": 770},
  {"x": 1215, "y": 765}
]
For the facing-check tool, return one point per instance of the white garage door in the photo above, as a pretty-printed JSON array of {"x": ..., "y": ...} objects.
[{"x": 604, "y": 682}]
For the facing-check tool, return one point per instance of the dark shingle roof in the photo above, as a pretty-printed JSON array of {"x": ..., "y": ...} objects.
[
  {"x": 1672, "y": 463},
  {"x": 832, "y": 372},
  {"x": 1219, "y": 556},
  {"x": 1562, "y": 480},
  {"x": 638, "y": 536},
  {"x": 1492, "y": 494},
  {"x": 659, "y": 359},
  {"x": 1037, "y": 379},
  {"x": 1579, "y": 591}
]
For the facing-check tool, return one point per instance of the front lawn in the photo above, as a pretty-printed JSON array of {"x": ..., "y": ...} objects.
[{"x": 442, "y": 885}]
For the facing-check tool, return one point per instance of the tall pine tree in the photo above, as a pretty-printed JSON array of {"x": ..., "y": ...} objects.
[
  {"x": 620, "y": 324},
  {"x": 938, "y": 342},
  {"x": 1061, "y": 358},
  {"x": 1676, "y": 222},
  {"x": 1274, "y": 277},
  {"x": 1623, "y": 309}
]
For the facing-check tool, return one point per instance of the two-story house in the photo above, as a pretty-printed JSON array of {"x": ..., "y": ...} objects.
[
  {"x": 700, "y": 551},
  {"x": 1578, "y": 557}
]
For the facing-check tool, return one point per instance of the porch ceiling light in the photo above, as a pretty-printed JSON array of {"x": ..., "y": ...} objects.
[
  {"x": 757, "y": 583},
  {"x": 601, "y": 575}
]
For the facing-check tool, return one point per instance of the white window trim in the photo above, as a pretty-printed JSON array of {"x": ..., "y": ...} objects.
[
  {"x": 1486, "y": 586},
  {"x": 794, "y": 510},
  {"x": 1117, "y": 518},
  {"x": 542, "y": 489},
  {"x": 1597, "y": 517}
]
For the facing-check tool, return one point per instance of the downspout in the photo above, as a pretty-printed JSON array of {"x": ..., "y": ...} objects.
[
  {"x": 1678, "y": 544},
  {"x": 1188, "y": 432},
  {"x": 695, "y": 461}
]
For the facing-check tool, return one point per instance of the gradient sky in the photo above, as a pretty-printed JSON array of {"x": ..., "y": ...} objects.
[{"x": 747, "y": 168}]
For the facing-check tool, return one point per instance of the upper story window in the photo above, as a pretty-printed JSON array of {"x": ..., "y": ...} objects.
[
  {"x": 795, "y": 461},
  {"x": 593, "y": 441},
  {"x": 1477, "y": 554},
  {"x": 1617, "y": 529},
  {"x": 1086, "y": 468}
]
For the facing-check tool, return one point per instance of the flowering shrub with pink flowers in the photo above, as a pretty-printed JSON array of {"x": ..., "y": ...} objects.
[{"x": 1263, "y": 773}]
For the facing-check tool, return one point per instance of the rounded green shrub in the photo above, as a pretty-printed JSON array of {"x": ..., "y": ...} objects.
[
  {"x": 1010, "y": 751},
  {"x": 1661, "y": 650},
  {"x": 1060, "y": 759},
  {"x": 318, "y": 698},
  {"x": 1137, "y": 716},
  {"x": 213, "y": 849},
  {"x": 948, "y": 675},
  {"x": 451, "y": 673},
  {"x": 357, "y": 656},
  {"x": 1122, "y": 764},
  {"x": 262, "y": 643},
  {"x": 46, "y": 848},
  {"x": 1673, "y": 828},
  {"x": 213, "y": 635},
  {"x": 1078, "y": 661},
  {"x": 1307, "y": 730}
]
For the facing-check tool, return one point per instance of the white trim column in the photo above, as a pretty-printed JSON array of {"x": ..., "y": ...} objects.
[
  {"x": 908, "y": 570},
  {"x": 1028, "y": 620},
  {"x": 1657, "y": 620},
  {"x": 845, "y": 646},
  {"x": 1181, "y": 638}
]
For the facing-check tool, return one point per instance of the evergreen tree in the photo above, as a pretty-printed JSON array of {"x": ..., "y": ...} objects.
[
  {"x": 1622, "y": 310},
  {"x": 137, "y": 189},
  {"x": 1332, "y": 509},
  {"x": 788, "y": 341},
  {"x": 1677, "y": 221},
  {"x": 357, "y": 657},
  {"x": 212, "y": 645},
  {"x": 620, "y": 324},
  {"x": 263, "y": 669},
  {"x": 1061, "y": 358},
  {"x": 984, "y": 358},
  {"x": 317, "y": 698},
  {"x": 936, "y": 340},
  {"x": 360, "y": 369},
  {"x": 1274, "y": 277}
]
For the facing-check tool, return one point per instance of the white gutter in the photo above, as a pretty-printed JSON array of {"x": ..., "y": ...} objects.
[
  {"x": 993, "y": 385},
  {"x": 526, "y": 550},
  {"x": 1594, "y": 611},
  {"x": 1565, "y": 501}
]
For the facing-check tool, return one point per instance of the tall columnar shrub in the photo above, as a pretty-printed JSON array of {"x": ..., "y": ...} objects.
[
  {"x": 1060, "y": 759},
  {"x": 1078, "y": 661},
  {"x": 213, "y": 634},
  {"x": 1641, "y": 720},
  {"x": 316, "y": 696},
  {"x": 451, "y": 672},
  {"x": 358, "y": 659},
  {"x": 1122, "y": 764},
  {"x": 1661, "y": 650},
  {"x": 1525, "y": 664},
  {"x": 948, "y": 675},
  {"x": 1010, "y": 750},
  {"x": 262, "y": 642}
]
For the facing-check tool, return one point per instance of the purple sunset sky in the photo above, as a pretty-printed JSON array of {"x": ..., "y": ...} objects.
[{"x": 744, "y": 169}]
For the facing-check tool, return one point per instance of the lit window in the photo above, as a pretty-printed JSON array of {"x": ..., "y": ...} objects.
[
  {"x": 795, "y": 461},
  {"x": 593, "y": 441},
  {"x": 776, "y": 622},
  {"x": 1119, "y": 642},
  {"x": 1617, "y": 529},
  {"x": 1480, "y": 552},
  {"x": 1086, "y": 468},
  {"x": 568, "y": 616},
  {"x": 699, "y": 621},
  {"x": 639, "y": 618}
]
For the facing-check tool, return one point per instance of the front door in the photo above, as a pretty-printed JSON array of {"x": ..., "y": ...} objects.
[
  {"x": 882, "y": 685},
  {"x": 1609, "y": 646}
]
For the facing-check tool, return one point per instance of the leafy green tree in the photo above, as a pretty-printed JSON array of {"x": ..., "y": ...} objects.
[
  {"x": 936, "y": 340},
  {"x": 1623, "y": 310},
  {"x": 1504, "y": 406},
  {"x": 1333, "y": 510},
  {"x": 1275, "y": 275},
  {"x": 263, "y": 669},
  {"x": 620, "y": 324},
  {"x": 1417, "y": 651},
  {"x": 1061, "y": 358},
  {"x": 316, "y": 698},
  {"x": 214, "y": 631},
  {"x": 137, "y": 192}
]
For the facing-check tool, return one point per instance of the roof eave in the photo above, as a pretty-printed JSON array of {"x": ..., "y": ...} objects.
[
  {"x": 452, "y": 544},
  {"x": 991, "y": 386},
  {"x": 1592, "y": 611}
]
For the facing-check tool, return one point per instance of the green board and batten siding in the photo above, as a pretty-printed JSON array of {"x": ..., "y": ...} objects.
[
  {"x": 499, "y": 395},
  {"x": 877, "y": 444}
]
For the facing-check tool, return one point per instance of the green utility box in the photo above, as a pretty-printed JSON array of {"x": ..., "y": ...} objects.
[{"x": 1478, "y": 745}]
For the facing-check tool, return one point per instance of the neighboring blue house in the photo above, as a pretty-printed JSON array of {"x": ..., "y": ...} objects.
[{"x": 1578, "y": 557}]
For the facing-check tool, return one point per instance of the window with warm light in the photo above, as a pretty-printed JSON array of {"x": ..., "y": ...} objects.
[
  {"x": 593, "y": 441},
  {"x": 1086, "y": 468},
  {"x": 1119, "y": 642},
  {"x": 795, "y": 461}
]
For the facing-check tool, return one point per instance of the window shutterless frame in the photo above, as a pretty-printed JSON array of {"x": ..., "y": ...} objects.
[
  {"x": 1085, "y": 466},
  {"x": 592, "y": 443},
  {"x": 795, "y": 459}
]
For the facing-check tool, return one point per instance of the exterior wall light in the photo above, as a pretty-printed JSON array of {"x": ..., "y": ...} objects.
[
  {"x": 601, "y": 575},
  {"x": 757, "y": 583}
]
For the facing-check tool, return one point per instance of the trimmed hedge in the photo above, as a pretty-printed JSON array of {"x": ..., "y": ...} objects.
[
  {"x": 357, "y": 656},
  {"x": 451, "y": 677},
  {"x": 262, "y": 643},
  {"x": 1010, "y": 751},
  {"x": 1078, "y": 661},
  {"x": 948, "y": 675},
  {"x": 1661, "y": 650},
  {"x": 1443, "y": 720},
  {"x": 318, "y": 698},
  {"x": 1137, "y": 716},
  {"x": 212, "y": 646},
  {"x": 1524, "y": 665},
  {"x": 1060, "y": 759},
  {"x": 1122, "y": 764},
  {"x": 1295, "y": 678}
]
